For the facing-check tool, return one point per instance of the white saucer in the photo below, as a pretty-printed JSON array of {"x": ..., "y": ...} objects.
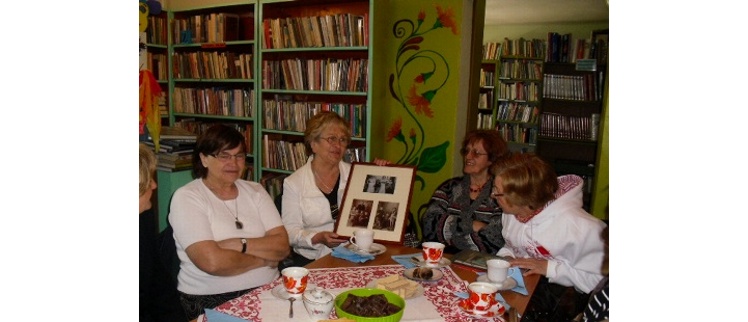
[
  {"x": 419, "y": 289},
  {"x": 437, "y": 275},
  {"x": 508, "y": 284},
  {"x": 280, "y": 292},
  {"x": 442, "y": 263},
  {"x": 496, "y": 310},
  {"x": 375, "y": 249}
]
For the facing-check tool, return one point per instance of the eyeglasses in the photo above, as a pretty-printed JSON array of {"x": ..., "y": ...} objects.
[
  {"x": 225, "y": 157},
  {"x": 466, "y": 151},
  {"x": 334, "y": 139},
  {"x": 495, "y": 192}
]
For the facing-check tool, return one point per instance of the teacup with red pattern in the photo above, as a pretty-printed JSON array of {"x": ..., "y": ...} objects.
[
  {"x": 482, "y": 296},
  {"x": 432, "y": 253},
  {"x": 295, "y": 279}
]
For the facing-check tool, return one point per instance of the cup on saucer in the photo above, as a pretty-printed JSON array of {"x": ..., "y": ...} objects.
[
  {"x": 432, "y": 253},
  {"x": 295, "y": 280},
  {"x": 362, "y": 239},
  {"x": 481, "y": 297},
  {"x": 498, "y": 270}
]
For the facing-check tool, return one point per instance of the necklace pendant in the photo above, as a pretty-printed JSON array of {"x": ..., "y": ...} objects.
[{"x": 239, "y": 224}]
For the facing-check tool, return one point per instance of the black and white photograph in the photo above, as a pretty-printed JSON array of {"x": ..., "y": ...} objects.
[
  {"x": 380, "y": 184},
  {"x": 360, "y": 213},
  {"x": 386, "y": 216}
]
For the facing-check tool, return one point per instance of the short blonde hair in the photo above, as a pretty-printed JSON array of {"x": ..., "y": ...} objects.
[
  {"x": 147, "y": 167},
  {"x": 527, "y": 180},
  {"x": 319, "y": 122}
]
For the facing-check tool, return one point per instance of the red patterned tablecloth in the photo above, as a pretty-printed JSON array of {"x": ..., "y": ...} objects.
[{"x": 440, "y": 305}]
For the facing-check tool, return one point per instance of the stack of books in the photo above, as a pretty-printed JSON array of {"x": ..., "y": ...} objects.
[{"x": 176, "y": 146}]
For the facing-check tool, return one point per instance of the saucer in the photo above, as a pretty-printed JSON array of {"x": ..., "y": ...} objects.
[
  {"x": 281, "y": 293},
  {"x": 442, "y": 263},
  {"x": 508, "y": 284},
  {"x": 437, "y": 275},
  {"x": 496, "y": 310},
  {"x": 375, "y": 249}
]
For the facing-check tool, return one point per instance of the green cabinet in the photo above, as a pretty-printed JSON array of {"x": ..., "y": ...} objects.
[{"x": 168, "y": 182}]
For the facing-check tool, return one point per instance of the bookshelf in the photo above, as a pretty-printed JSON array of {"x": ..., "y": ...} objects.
[
  {"x": 519, "y": 91},
  {"x": 157, "y": 59},
  {"x": 486, "y": 109},
  {"x": 212, "y": 71},
  {"x": 570, "y": 120},
  {"x": 314, "y": 56}
]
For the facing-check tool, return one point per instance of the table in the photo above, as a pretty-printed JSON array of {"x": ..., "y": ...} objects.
[
  {"x": 514, "y": 299},
  {"x": 337, "y": 275}
]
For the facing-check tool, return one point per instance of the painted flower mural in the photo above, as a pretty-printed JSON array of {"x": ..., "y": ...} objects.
[{"x": 432, "y": 72}]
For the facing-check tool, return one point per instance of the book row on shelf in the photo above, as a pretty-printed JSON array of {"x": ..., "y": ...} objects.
[
  {"x": 339, "y": 30},
  {"x": 561, "y": 126},
  {"x": 158, "y": 32},
  {"x": 571, "y": 87},
  {"x": 316, "y": 74},
  {"x": 531, "y": 48},
  {"x": 484, "y": 100},
  {"x": 212, "y": 65},
  {"x": 521, "y": 69},
  {"x": 521, "y": 91},
  {"x": 199, "y": 127},
  {"x": 158, "y": 64},
  {"x": 486, "y": 78},
  {"x": 215, "y": 101},
  {"x": 485, "y": 121},
  {"x": 518, "y": 133},
  {"x": 290, "y": 156},
  {"x": 289, "y": 115},
  {"x": 213, "y": 27},
  {"x": 273, "y": 183},
  {"x": 517, "y": 112}
]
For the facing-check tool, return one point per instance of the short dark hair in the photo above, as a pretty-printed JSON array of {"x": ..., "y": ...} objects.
[{"x": 215, "y": 140}]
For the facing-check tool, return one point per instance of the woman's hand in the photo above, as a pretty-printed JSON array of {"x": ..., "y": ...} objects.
[
  {"x": 533, "y": 266},
  {"x": 381, "y": 162},
  {"x": 328, "y": 238},
  {"x": 478, "y": 225}
]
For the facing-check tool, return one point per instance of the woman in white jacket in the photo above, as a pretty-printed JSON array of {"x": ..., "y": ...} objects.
[
  {"x": 547, "y": 232},
  {"x": 313, "y": 193}
]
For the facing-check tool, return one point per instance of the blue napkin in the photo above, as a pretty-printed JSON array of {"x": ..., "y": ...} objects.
[
  {"x": 464, "y": 295},
  {"x": 516, "y": 274},
  {"x": 405, "y": 260},
  {"x": 215, "y": 316},
  {"x": 342, "y": 252}
]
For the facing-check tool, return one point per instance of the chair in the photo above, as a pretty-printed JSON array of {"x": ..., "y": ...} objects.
[{"x": 414, "y": 233}]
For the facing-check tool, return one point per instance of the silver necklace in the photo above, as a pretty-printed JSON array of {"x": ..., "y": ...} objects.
[
  {"x": 328, "y": 189},
  {"x": 238, "y": 223}
]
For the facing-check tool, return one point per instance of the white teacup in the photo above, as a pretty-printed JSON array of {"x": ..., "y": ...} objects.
[
  {"x": 432, "y": 253},
  {"x": 498, "y": 270},
  {"x": 362, "y": 239},
  {"x": 295, "y": 280},
  {"x": 482, "y": 297}
]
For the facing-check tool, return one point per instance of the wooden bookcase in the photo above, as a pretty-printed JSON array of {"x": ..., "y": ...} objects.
[
  {"x": 518, "y": 107},
  {"x": 570, "y": 120},
  {"x": 314, "y": 56},
  {"x": 157, "y": 60}
]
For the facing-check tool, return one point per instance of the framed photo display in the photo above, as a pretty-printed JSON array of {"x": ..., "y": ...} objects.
[{"x": 377, "y": 198}]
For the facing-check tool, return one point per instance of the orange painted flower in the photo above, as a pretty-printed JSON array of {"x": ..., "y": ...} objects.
[
  {"x": 396, "y": 131},
  {"x": 412, "y": 133},
  {"x": 421, "y": 78},
  {"x": 421, "y": 103},
  {"x": 446, "y": 19},
  {"x": 421, "y": 16}
]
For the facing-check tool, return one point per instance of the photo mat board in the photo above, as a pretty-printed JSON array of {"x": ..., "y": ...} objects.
[{"x": 377, "y": 198}]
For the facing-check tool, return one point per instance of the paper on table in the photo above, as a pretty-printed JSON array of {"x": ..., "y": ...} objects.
[
  {"x": 215, "y": 316},
  {"x": 516, "y": 274},
  {"x": 406, "y": 260}
]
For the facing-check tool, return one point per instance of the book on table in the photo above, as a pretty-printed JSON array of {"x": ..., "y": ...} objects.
[{"x": 475, "y": 259}]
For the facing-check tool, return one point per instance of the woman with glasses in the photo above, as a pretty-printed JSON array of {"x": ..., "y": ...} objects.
[
  {"x": 548, "y": 233},
  {"x": 461, "y": 214},
  {"x": 312, "y": 194},
  {"x": 228, "y": 233}
]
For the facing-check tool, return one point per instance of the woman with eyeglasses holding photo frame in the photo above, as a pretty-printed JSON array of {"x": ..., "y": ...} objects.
[
  {"x": 228, "y": 232},
  {"x": 461, "y": 214},
  {"x": 313, "y": 193}
]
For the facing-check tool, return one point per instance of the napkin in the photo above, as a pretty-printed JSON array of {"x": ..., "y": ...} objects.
[
  {"x": 215, "y": 316},
  {"x": 406, "y": 260},
  {"x": 516, "y": 274},
  {"x": 342, "y": 252}
]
